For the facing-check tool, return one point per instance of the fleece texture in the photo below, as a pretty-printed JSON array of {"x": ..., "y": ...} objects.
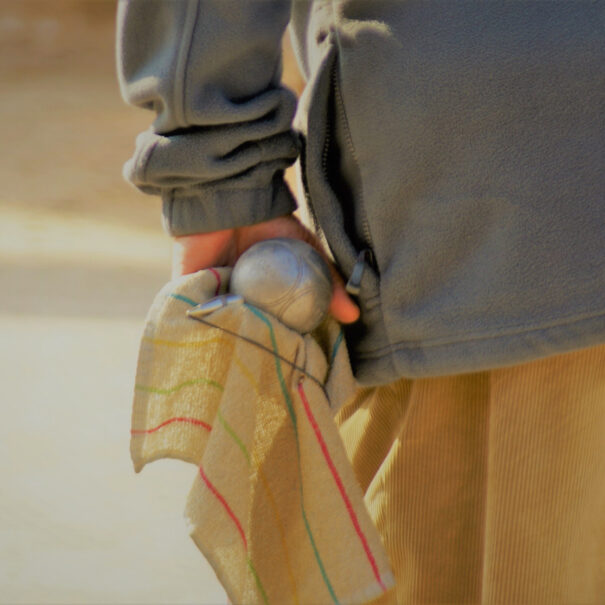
[{"x": 455, "y": 149}]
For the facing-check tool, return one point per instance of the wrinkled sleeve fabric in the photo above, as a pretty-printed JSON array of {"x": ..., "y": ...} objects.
[{"x": 210, "y": 70}]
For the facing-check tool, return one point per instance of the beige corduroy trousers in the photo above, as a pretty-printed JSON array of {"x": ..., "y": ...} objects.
[{"x": 488, "y": 487}]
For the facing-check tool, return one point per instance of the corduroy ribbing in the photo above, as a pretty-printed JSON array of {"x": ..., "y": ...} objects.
[{"x": 489, "y": 487}]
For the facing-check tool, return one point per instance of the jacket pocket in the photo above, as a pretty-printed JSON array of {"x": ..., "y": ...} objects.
[{"x": 331, "y": 198}]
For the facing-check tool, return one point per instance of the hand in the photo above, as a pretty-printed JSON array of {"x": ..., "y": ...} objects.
[{"x": 222, "y": 248}]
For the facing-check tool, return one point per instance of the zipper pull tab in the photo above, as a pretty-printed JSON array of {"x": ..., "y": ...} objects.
[{"x": 353, "y": 286}]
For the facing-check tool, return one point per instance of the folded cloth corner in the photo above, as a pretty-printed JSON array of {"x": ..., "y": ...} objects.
[{"x": 275, "y": 506}]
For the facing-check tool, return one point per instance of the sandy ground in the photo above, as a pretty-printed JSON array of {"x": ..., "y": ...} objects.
[
  {"x": 81, "y": 257},
  {"x": 76, "y": 524}
]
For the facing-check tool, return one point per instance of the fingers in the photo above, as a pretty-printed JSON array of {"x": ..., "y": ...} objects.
[
  {"x": 202, "y": 250},
  {"x": 342, "y": 307},
  {"x": 192, "y": 253}
]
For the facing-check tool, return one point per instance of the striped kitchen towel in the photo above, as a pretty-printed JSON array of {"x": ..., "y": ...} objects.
[{"x": 275, "y": 506}]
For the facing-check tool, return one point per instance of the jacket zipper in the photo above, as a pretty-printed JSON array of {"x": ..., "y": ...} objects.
[
  {"x": 365, "y": 226},
  {"x": 366, "y": 255},
  {"x": 364, "y": 258}
]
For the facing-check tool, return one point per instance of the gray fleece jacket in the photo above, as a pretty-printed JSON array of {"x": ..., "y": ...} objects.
[{"x": 452, "y": 153}]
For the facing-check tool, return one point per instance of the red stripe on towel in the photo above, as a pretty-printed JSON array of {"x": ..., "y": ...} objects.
[
  {"x": 341, "y": 487},
  {"x": 195, "y": 421},
  {"x": 227, "y": 508},
  {"x": 218, "y": 280}
]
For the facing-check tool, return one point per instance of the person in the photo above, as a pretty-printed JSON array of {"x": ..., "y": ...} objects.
[{"x": 452, "y": 160}]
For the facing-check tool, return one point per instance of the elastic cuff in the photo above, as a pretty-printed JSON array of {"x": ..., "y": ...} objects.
[{"x": 186, "y": 212}]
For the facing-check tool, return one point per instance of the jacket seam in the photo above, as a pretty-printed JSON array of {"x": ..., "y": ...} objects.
[
  {"x": 377, "y": 296},
  {"x": 184, "y": 54},
  {"x": 349, "y": 137},
  {"x": 504, "y": 333},
  {"x": 201, "y": 188}
]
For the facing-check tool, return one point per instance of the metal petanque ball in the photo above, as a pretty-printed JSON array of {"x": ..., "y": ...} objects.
[{"x": 286, "y": 277}]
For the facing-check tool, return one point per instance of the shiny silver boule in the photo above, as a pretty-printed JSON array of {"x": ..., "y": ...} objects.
[{"x": 286, "y": 277}]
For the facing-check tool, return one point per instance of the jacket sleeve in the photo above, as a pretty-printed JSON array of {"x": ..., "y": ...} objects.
[{"x": 210, "y": 70}]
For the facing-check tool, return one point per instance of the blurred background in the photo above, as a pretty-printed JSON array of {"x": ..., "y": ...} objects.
[{"x": 82, "y": 255}]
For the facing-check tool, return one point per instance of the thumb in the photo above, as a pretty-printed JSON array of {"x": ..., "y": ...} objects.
[{"x": 342, "y": 308}]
